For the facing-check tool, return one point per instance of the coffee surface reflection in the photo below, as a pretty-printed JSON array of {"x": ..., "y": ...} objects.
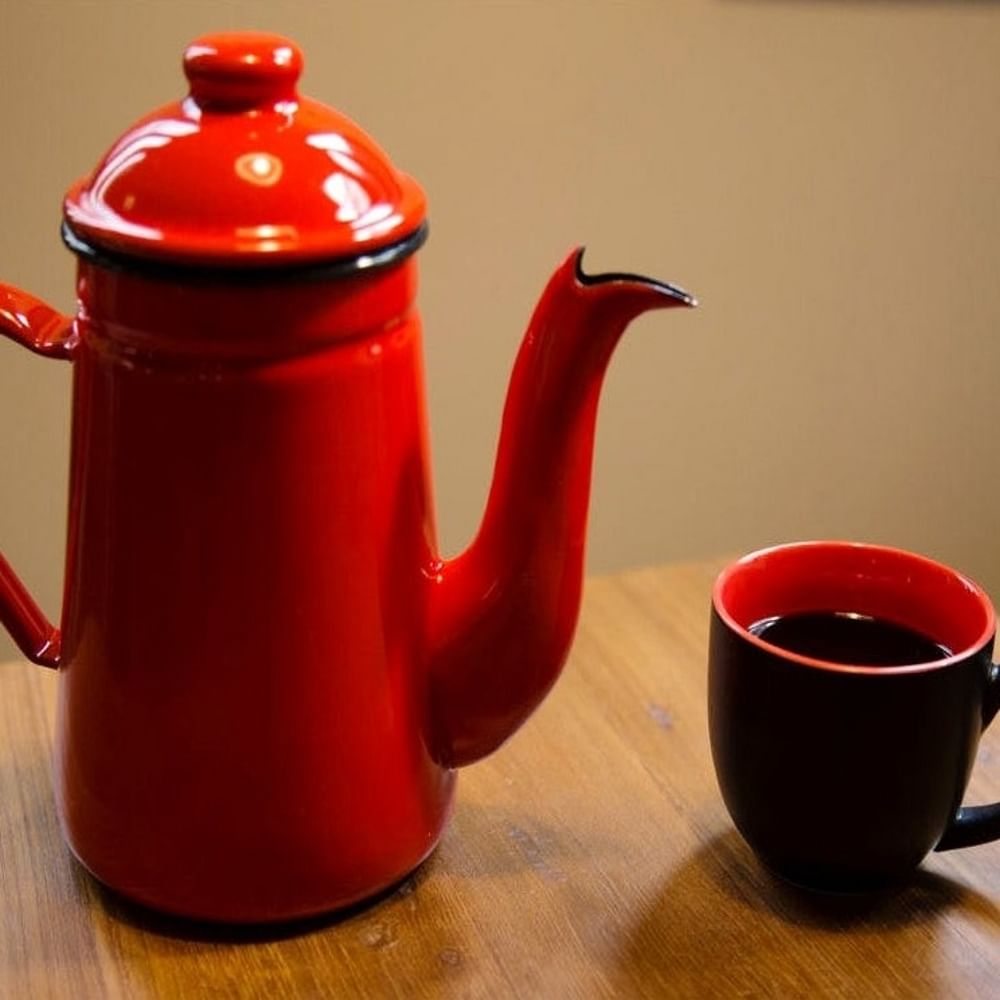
[{"x": 847, "y": 637}]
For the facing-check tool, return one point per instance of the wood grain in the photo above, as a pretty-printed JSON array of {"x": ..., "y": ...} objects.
[{"x": 590, "y": 857}]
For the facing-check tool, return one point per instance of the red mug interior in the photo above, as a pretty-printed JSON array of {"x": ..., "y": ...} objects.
[{"x": 886, "y": 583}]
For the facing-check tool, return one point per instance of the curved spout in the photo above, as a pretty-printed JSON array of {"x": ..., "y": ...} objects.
[{"x": 502, "y": 614}]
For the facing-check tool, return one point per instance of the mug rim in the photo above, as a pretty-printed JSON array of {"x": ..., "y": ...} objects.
[{"x": 739, "y": 565}]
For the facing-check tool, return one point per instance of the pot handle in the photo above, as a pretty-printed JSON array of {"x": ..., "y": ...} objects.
[
  {"x": 37, "y": 326},
  {"x": 977, "y": 824}
]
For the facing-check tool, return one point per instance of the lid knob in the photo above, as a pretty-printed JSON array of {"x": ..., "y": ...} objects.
[{"x": 241, "y": 70}]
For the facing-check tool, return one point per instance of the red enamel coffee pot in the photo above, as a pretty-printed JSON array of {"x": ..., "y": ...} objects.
[{"x": 267, "y": 673}]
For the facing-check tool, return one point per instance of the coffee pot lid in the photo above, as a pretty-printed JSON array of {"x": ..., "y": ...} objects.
[{"x": 244, "y": 172}]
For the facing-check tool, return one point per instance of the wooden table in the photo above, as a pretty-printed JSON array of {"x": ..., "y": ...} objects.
[{"x": 591, "y": 857}]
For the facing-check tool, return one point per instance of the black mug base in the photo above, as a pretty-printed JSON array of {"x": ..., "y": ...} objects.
[{"x": 835, "y": 881}]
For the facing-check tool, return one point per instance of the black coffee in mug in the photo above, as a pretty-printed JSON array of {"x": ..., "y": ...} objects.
[
  {"x": 849, "y": 637},
  {"x": 843, "y": 739}
]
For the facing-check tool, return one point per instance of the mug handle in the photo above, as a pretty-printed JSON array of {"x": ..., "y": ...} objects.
[
  {"x": 40, "y": 328},
  {"x": 977, "y": 824}
]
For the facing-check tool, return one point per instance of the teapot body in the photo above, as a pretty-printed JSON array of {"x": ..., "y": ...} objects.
[{"x": 242, "y": 727}]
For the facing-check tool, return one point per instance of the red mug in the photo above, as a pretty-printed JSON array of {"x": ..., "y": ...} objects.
[
  {"x": 267, "y": 672},
  {"x": 848, "y": 688}
]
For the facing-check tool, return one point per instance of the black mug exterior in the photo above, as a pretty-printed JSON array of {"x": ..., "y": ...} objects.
[{"x": 843, "y": 779}]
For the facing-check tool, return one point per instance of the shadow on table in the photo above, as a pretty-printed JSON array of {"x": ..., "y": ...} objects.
[
  {"x": 141, "y": 918},
  {"x": 514, "y": 844},
  {"x": 722, "y": 925},
  {"x": 361, "y": 951}
]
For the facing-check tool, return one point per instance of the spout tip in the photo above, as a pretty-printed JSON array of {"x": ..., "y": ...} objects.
[{"x": 678, "y": 295}]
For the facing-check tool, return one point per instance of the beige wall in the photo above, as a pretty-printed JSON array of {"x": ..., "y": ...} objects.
[{"x": 825, "y": 176}]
